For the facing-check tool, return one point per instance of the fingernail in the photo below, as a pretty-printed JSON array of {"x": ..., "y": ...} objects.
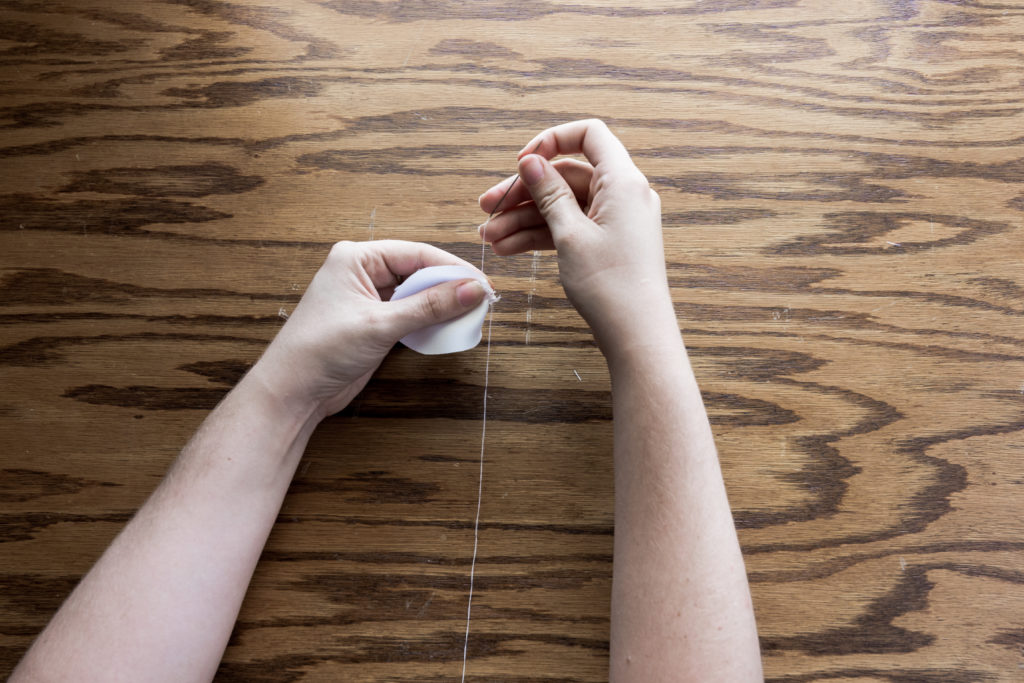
[
  {"x": 470, "y": 293},
  {"x": 531, "y": 169},
  {"x": 530, "y": 148}
]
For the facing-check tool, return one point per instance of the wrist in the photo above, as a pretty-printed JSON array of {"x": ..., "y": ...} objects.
[
  {"x": 639, "y": 331},
  {"x": 249, "y": 445},
  {"x": 647, "y": 358},
  {"x": 281, "y": 393}
]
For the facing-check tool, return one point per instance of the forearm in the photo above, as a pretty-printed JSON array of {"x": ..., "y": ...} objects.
[
  {"x": 681, "y": 606},
  {"x": 680, "y": 603},
  {"x": 161, "y": 602}
]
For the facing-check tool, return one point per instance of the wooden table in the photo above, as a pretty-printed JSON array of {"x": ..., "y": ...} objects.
[{"x": 842, "y": 185}]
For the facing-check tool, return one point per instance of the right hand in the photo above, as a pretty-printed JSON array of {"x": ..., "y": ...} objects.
[{"x": 610, "y": 259}]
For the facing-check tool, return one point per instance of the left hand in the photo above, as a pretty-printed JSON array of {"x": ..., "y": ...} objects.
[{"x": 344, "y": 325}]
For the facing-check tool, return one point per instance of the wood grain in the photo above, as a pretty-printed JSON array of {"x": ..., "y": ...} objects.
[{"x": 843, "y": 186}]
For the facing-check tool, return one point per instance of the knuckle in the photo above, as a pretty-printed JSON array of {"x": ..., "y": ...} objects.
[
  {"x": 654, "y": 198},
  {"x": 550, "y": 201},
  {"x": 601, "y": 183},
  {"x": 632, "y": 183},
  {"x": 571, "y": 241},
  {"x": 378, "y": 323},
  {"x": 433, "y": 304},
  {"x": 341, "y": 250},
  {"x": 374, "y": 320},
  {"x": 636, "y": 179},
  {"x": 568, "y": 240}
]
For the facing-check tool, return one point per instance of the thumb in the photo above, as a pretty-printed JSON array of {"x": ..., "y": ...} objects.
[
  {"x": 435, "y": 305},
  {"x": 554, "y": 198}
]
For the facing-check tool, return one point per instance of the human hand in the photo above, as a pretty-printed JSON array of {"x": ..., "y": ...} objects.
[
  {"x": 605, "y": 222},
  {"x": 344, "y": 325}
]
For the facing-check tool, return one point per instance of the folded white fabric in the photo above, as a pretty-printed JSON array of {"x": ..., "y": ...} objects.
[{"x": 458, "y": 334}]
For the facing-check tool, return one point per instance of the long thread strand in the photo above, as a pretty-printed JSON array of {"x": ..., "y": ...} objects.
[
  {"x": 479, "y": 496},
  {"x": 483, "y": 440}
]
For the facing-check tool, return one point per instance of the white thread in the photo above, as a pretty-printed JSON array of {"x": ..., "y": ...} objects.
[
  {"x": 529, "y": 297},
  {"x": 483, "y": 242},
  {"x": 479, "y": 495},
  {"x": 480, "y": 484},
  {"x": 483, "y": 428}
]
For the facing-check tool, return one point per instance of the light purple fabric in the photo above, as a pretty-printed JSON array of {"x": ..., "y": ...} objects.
[{"x": 459, "y": 334}]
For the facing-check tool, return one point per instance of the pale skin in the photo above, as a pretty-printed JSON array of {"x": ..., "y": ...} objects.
[
  {"x": 681, "y": 607},
  {"x": 159, "y": 605}
]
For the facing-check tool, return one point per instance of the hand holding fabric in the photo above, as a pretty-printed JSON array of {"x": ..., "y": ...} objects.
[{"x": 344, "y": 325}]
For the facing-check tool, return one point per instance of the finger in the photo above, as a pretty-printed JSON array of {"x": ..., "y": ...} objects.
[
  {"x": 500, "y": 193},
  {"x": 522, "y": 217},
  {"x": 591, "y": 137},
  {"x": 388, "y": 262},
  {"x": 523, "y": 241},
  {"x": 577, "y": 173},
  {"x": 552, "y": 195},
  {"x": 525, "y": 214},
  {"x": 434, "y": 305}
]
